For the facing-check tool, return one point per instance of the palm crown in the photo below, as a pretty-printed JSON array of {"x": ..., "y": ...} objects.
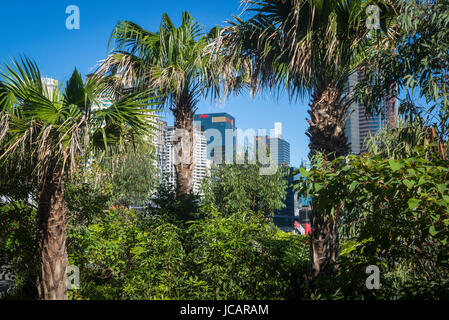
[
  {"x": 58, "y": 125},
  {"x": 172, "y": 60},
  {"x": 298, "y": 44}
]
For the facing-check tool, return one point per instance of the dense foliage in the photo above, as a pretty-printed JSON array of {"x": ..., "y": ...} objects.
[
  {"x": 390, "y": 206},
  {"x": 412, "y": 63},
  {"x": 18, "y": 248},
  {"x": 132, "y": 174},
  {"x": 241, "y": 187},
  {"x": 394, "y": 215},
  {"x": 173, "y": 205},
  {"x": 124, "y": 255}
]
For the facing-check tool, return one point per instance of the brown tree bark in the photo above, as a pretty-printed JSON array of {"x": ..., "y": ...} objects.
[
  {"x": 184, "y": 143},
  {"x": 328, "y": 115},
  {"x": 53, "y": 234}
]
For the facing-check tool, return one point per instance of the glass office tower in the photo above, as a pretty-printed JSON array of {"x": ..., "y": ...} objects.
[{"x": 215, "y": 126}]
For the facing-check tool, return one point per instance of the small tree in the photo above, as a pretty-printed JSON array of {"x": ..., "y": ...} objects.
[
  {"x": 51, "y": 131},
  {"x": 132, "y": 175},
  {"x": 240, "y": 188}
]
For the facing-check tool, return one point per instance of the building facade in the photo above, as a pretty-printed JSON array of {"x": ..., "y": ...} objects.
[
  {"x": 361, "y": 125},
  {"x": 277, "y": 147},
  {"x": 218, "y": 128}
]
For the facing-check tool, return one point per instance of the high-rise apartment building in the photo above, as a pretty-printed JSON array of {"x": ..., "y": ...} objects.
[
  {"x": 280, "y": 149},
  {"x": 360, "y": 125},
  {"x": 202, "y": 164},
  {"x": 165, "y": 156}
]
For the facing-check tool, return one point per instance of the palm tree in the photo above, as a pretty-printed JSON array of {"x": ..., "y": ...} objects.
[
  {"x": 304, "y": 47},
  {"x": 173, "y": 61},
  {"x": 53, "y": 130}
]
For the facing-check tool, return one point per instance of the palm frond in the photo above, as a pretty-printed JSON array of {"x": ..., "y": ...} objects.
[
  {"x": 172, "y": 61},
  {"x": 296, "y": 45},
  {"x": 56, "y": 127}
]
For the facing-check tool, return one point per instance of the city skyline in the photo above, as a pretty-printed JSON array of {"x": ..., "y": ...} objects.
[{"x": 61, "y": 50}]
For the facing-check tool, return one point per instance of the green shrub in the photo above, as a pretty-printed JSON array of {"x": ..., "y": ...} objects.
[
  {"x": 124, "y": 255},
  {"x": 240, "y": 187},
  {"x": 394, "y": 214},
  {"x": 19, "y": 248},
  {"x": 244, "y": 256}
]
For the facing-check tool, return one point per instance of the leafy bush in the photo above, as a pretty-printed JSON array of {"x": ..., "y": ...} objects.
[
  {"x": 244, "y": 256},
  {"x": 132, "y": 174},
  {"x": 19, "y": 248},
  {"x": 395, "y": 215},
  {"x": 85, "y": 201},
  {"x": 240, "y": 187},
  {"x": 127, "y": 256},
  {"x": 172, "y": 205},
  {"x": 120, "y": 260}
]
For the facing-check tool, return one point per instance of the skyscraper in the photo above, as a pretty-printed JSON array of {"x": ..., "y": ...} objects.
[
  {"x": 360, "y": 125},
  {"x": 215, "y": 127},
  {"x": 278, "y": 148}
]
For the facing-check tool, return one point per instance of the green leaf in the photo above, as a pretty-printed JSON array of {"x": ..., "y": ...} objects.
[
  {"x": 304, "y": 172},
  {"x": 394, "y": 165},
  {"x": 353, "y": 185},
  {"x": 422, "y": 181},
  {"x": 413, "y": 203},
  {"x": 433, "y": 232},
  {"x": 409, "y": 184},
  {"x": 442, "y": 188},
  {"x": 318, "y": 186}
]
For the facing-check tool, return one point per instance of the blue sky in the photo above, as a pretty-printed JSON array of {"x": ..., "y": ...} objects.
[{"x": 37, "y": 29}]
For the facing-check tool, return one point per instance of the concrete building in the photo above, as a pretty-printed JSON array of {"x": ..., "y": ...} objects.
[
  {"x": 278, "y": 148},
  {"x": 202, "y": 163}
]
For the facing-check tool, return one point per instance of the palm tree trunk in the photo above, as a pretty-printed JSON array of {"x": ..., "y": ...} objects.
[
  {"x": 52, "y": 232},
  {"x": 328, "y": 114},
  {"x": 184, "y": 145}
]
